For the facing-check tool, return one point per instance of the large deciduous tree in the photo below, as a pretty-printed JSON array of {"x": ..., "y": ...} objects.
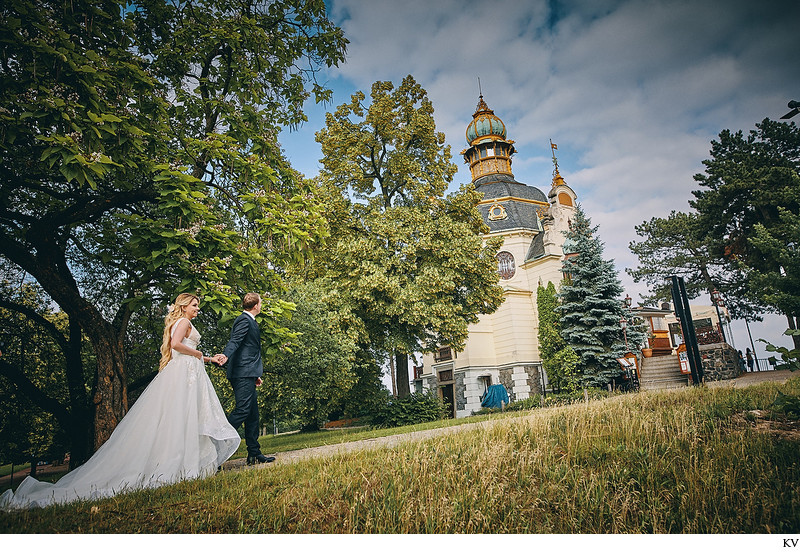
[
  {"x": 748, "y": 203},
  {"x": 591, "y": 304},
  {"x": 311, "y": 379},
  {"x": 138, "y": 158},
  {"x": 409, "y": 260}
]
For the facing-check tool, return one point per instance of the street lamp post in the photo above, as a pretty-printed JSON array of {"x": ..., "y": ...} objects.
[
  {"x": 631, "y": 373},
  {"x": 716, "y": 298},
  {"x": 624, "y": 324},
  {"x": 624, "y": 321}
]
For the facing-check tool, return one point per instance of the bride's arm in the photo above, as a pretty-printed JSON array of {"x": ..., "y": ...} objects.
[{"x": 183, "y": 329}]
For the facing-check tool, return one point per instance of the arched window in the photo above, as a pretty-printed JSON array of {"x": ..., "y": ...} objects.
[{"x": 565, "y": 199}]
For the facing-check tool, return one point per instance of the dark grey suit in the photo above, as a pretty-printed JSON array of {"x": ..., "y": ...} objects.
[{"x": 243, "y": 368}]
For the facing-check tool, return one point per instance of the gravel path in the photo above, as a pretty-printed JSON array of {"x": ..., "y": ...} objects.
[{"x": 377, "y": 442}]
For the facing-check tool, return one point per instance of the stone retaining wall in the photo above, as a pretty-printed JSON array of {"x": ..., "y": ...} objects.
[{"x": 720, "y": 362}]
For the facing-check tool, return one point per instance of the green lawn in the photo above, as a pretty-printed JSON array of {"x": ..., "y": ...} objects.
[
  {"x": 5, "y": 470},
  {"x": 697, "y": 460}
]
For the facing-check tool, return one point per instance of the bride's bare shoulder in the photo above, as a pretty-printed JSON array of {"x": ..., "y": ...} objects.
[{"x": 182, "y": 325}]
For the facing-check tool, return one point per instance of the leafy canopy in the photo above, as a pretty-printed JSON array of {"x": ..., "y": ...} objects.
[
  {"x": 138, "y": 158},
  {"x": 749, "y": 201},
  {"x": 410, "y": 261},
  {"x": 558, "y": 359}
]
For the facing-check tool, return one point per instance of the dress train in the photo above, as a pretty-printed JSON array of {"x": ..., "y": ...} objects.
[{"x": 176, "y": 430}]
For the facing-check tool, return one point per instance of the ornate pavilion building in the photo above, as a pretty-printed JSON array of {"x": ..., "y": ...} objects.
[{"x": 503, "y": 347}]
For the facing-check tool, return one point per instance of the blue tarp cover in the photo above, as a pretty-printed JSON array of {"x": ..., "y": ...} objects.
[{"x": 493, "y": 397}]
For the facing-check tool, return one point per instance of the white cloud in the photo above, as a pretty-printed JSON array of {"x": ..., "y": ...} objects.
[{"x": 632, "y": 91}]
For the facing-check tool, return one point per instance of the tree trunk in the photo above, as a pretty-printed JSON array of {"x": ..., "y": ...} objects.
[
  {"x": 401, "y": 370},
  {"x": 110, "y": 392},
  {"x": 81, "y": 428},
  {"x": 110, "y": 397},
  {"x": 793, "y": 326},
  {"x": 393, "y": 375}
]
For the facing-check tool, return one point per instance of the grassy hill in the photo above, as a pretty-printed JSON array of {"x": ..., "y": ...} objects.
[{"x": 704, "y": 460}]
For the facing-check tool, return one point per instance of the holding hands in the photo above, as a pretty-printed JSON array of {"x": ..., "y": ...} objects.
[{"x": 219, "y": 359}]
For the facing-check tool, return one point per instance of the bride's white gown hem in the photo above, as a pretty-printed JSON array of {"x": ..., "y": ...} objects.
[{"x": 176, "y": 430}]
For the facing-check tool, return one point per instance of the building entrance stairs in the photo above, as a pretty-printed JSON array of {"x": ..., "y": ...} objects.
[{"x": 662, "y": 372}]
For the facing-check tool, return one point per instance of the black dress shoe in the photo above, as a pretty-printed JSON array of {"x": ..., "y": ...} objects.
[{"x": 259, "y": 459}]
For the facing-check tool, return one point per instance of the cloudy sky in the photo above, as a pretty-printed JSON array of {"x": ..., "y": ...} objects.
[{"x": 631, "y": 91}]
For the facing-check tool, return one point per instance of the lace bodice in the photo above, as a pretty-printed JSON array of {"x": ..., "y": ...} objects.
[{"x": 192, "y": 341}]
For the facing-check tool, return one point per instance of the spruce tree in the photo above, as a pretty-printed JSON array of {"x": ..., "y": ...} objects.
[{"x": 591, "y": 305}]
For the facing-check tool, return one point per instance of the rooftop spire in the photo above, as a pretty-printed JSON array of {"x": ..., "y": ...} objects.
[{"x": 557, "y": 178}]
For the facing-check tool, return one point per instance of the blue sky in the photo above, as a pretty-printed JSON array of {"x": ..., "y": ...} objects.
[{"x": 632, "y": 91}]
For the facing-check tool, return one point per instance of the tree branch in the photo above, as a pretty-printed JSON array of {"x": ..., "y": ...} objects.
[
  {"x": 39, "y": 319},
  {"x": 36, "y": 395}
]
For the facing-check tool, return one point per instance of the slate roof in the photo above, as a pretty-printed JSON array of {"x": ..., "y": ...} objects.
[
  {"x": 503, "y": 185},
  {"x": 536, "y": 250},
  {"x": 520, "y": 215}
]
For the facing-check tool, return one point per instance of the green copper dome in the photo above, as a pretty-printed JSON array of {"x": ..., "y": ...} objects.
[{"x": 485, "y": 123}]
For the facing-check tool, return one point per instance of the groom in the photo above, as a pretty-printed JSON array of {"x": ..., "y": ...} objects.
[{"x": 242, "y": 361}]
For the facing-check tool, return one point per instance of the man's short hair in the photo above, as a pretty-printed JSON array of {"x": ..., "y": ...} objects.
[{"x": 250, "y": 300}]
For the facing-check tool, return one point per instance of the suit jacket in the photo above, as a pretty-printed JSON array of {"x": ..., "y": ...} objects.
[{"x": 244, "y": 349}]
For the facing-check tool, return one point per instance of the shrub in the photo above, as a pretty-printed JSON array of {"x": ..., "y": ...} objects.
[
  {"x": 786, "y": 406},
  {"x": 413, "y": 409}
]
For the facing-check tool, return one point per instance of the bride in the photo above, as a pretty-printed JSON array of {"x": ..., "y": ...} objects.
[{"x": 176, "y": 429}]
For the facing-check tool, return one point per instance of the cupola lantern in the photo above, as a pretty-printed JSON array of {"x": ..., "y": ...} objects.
[{"x": 489, "y": 151}]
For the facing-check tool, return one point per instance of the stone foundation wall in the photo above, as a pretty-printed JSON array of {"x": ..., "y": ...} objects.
[
  {"x": 508, "y": 382},
  {"x": 720, "y": 362},
  {"x": 534, "y": 379},
  {"x": 459, "y": 389}
]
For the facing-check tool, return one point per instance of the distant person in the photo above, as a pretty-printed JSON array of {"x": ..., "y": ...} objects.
[
  {"x": 742, "y": 365},
  {"x": 749, "y": 355}
]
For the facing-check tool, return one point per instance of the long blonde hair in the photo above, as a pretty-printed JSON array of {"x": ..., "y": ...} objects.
[{"x": 175, "y": 313}]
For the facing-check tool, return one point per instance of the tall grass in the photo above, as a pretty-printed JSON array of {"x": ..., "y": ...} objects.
[{"x": 669, "y": 462}]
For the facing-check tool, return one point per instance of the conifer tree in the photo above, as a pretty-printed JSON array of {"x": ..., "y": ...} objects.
[
  {"x": 591, "y": 305},
  {"x": 558, "y": 359}
]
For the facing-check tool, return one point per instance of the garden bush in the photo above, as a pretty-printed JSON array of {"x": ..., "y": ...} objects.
[{"x": 413, "y": 409}]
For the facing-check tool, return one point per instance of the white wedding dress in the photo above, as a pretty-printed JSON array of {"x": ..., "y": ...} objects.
[{"x": 176, "y": 430}]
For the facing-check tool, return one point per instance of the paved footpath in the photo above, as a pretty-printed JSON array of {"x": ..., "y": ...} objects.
[{"x": 751, "y": 378}]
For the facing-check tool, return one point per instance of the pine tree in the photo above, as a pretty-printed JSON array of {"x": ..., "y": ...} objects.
[
  {"x": 591, "y": 305},
  {"x": 558, "y": 359}
]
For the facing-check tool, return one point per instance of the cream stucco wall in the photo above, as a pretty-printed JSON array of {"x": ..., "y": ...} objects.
[{"x": 504, "y": 345}]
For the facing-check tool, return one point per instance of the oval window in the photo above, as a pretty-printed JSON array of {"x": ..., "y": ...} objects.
[{"x": 505, "y": 265}]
